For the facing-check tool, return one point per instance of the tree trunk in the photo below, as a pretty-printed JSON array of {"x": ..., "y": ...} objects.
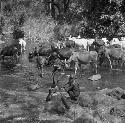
[
  {"x": 52, "y": 8},
  {"x": 66, "y": 5}
]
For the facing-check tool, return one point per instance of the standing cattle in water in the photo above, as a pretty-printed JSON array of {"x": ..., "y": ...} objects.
[
  {"x": 22, "y": 42},
  {"x": 18, "y": 34},
  {"x": 112, "y": 53},
  {"x": 96, "y": 44},
  {"x": 82, "y": 42},
  {"x": 84, "y": 57},
  {"x": 60, "y": 44},
  {"x": 115, "y": 41},
  {"x": 121, "y": 42},
  {"x": 105, "y": 41},
  {"x": 11, "y": 51},
  {"x": 41, "y": 61},
  {"x": 69, "y": 44},
  {"x": 33, "y": 54}
]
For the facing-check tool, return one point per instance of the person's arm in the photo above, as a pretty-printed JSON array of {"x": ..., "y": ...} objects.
[{"x": 68, "y": 87}]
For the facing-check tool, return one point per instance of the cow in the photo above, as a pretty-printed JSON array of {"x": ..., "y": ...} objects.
[
  {"x": 105, "y": 41},
  {"x": 82, "y": 42},
  {"x": 83, "y": 57},
  {"x": 41, "y": 61},
  {"x": 112, "y": 53},
  {"x": 116, "y": 41},
  {"x": 22, "y": 42},
  {"x": 11, "y": 51}
]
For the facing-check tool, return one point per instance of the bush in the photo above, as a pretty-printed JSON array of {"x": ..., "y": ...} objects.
[{"x": 39, "y": 30}]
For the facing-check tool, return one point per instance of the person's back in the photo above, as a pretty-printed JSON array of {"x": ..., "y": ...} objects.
[{"x": 72, "y": 88}]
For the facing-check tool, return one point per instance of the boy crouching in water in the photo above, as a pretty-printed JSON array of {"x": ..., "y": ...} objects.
[{"x": 73, "y": 90}]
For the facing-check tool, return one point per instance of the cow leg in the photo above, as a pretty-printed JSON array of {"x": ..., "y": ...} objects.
[
  {"x": 24, "y": 47},
  {"x": 122, "y": 62},
  {"x": 42, "y": 71},
  {"x": 76, "y": 67},
  {"x": 14, "y": 57},
  {"x": 87, "y": 48},
  {"x": 3, "y": 58},
  {"x": 96, "y": 68},
  {"x": 110, "y": 62},
  {"x": 21, "y": 49},
  {"x": 17, "y": 57},
  {"x": 65, "y": 64}
]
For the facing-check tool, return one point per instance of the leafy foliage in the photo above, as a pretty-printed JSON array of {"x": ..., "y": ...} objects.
[{"x": 47, "y": 20}]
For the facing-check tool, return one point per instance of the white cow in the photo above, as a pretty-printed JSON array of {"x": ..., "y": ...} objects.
[
  {"x": 22, "y": 42},
  {"x": 114, "y": 41},
  {"x": 122, "y": 42},
  {"x": 59, "y": 44},
  {"x": 82, "y": 41},
  {"x": 105, "y": 41},
  {"x": 119, "y": 42}
]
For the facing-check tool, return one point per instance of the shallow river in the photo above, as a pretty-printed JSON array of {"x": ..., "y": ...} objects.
[{"x": 28, "y": 105}]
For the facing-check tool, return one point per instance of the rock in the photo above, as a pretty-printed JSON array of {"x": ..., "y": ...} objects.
[
  {"x": 102, "y": 109},
  {"x": 109, "y": 96},
  {"x": 75, "y": 110},
  {"x": 95, "y": 77},
  {"x": 33, "y": 87},
  {"x": 55, "y": 106},
  {"x": 19, "y": 119},
  {"x": 86, "y": 117},
  {"x": 18, "y": 65},
  {"x": 116, "y": 93},
  {"x": 104, "y": 91},
  {"x": 102, "y": 98},
  {"x": 118, "y": 110}
]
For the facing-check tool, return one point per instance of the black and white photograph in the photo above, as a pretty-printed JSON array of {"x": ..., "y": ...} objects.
[{"x": 62, "y": 61}]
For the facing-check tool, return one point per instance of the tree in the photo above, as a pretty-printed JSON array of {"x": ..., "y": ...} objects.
[
  {"x": 52, "y": 6},
  {"x": 66, "y": 5}
]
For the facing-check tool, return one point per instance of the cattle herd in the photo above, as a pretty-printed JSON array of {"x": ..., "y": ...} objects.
[
  {"x": 80, "y": 51},
  {"x": 75, "y": 50}
]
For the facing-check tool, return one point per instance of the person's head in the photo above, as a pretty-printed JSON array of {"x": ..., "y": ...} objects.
[{"x": 71, "y": 79}]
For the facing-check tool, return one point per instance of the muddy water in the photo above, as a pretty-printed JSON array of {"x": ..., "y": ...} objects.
[{"x": 19, "y": 105}]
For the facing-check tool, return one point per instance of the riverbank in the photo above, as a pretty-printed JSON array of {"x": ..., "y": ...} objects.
[{"x": 103, "y": 106}]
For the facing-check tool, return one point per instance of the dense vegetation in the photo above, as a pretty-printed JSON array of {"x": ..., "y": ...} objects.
[{"x": 51, "y": 20}]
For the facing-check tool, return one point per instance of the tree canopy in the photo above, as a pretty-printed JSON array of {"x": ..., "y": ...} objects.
[{"x": 87, "y": 17}]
